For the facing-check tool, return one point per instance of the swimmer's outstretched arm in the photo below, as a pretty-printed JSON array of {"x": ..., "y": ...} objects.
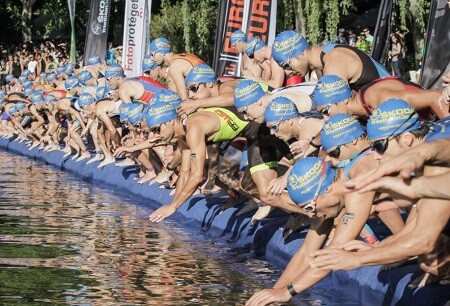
[
  {"x": 434, "y": 187},
  {"x": 433, "y": 153}
]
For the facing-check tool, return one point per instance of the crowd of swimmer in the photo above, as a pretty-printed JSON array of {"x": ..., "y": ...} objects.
[{"x": 351, "y": 143}]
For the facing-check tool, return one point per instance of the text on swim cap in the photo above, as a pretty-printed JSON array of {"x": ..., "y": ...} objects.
[
  {"x": 331, "y": 87},
  {"x": 246, "y": 90},
  {"x": 297, "y": 182},
  {"x": 379, "y": 117},
  {"x": 332, "y": 128},
  {"x": 282, "y": 45}
]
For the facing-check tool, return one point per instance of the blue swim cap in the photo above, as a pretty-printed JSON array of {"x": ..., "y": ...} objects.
[
  {"x": 27, "y": 84},
  {"x": 238, "y": 36},
  {"x": 71, "y": 82},
  {"x": 12, "y": 110},
  {"x": 330, "y": 89},
  {"x": 84, "y": 76},
  {"x": 254, "y": 44},
  {"x": 93, "y": 59},
  {"x": 167, "y": 96},
  {"x": 85, "y": 99},
  {"x": 36, "y": 97},
  {"x": 392, "y": 117},
  {"x": 305, "y": 177},
  {"x": 115, "y": 70},
  {"x": 43, "y": 74},
  {"x": 201, "y": 73},
  {"x": 131, "y": 112},
  {"x": 438, "y": 130},
  {"x": 50, "y": 77},
  {"x": 248, "y": 92},
  {"x": 102, "y": 92},
  {"x": 148, "y": 64},
  {"x": 340, "y": 129},
  {"x": 26, "y": 72},
  {"x": 287, "y": 45},
  {"x": 69, "y": 69},
  {"x": 49, "y": 99},
  {"x": 20, "y": 105},
  {"x": 161, "y": 45},
  {"x": 9, "y": 78},
  {"x": 28, "y": 91},
  {"x": 159, "y": 112},
  {"x": 60, "y": 70},
  {"x": 280, "y": 109},
  {"x": 2, "y": 93},
  {"x": 22, "y": 79}
]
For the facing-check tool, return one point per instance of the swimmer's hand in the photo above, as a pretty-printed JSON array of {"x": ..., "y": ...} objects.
[
  {"x": 299, "y": 148},
  {"x": 268, "y": 296},
  {"x": 121, "y": 150},
  {"x": 335, "y": 259},
  {"x": 404, "y": 165},
  {"x": 188, "y": 107},
  {"x": 445, "y": 97},
  {"x": 276, "y": 186},
  {"x": 162, "y": 213}
]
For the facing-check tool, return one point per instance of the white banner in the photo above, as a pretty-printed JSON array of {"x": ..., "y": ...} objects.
[{"x": 136, "y": 32}]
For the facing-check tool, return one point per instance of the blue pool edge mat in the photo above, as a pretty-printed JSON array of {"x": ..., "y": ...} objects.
[{"x": 367, "y": 285}]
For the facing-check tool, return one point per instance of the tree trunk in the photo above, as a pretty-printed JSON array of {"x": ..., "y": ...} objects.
[
  {"x": 27, "y": 12},
  {"x": 300, "y": 21}
]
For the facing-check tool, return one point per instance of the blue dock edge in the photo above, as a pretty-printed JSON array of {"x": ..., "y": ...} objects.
[{"x": 366, "y": 285}]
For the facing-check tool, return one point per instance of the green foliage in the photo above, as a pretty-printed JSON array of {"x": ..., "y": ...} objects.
[
  {"x": 313, "y": 15},
  {"x": 189, "y": 25}
]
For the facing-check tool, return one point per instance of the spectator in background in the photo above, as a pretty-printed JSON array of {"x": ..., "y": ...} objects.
[
  {"x": 362, "y": 44},
  {"x": 351, "y": 37},
  {"x": 50, "y": 65},
  {"x": 369, "y": 37},
  {"x": 119, "y": 55},
  {"x": 396, "y": 54},
  {"x": 16, "y": 66},
  {"x": 110, "y": 56},
  {"x": 3, "y": 73},
  {"x": 342, "y": 37}
]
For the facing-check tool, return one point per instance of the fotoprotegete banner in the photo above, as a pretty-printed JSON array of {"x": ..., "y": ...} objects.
[{"x": 135, "y": 35}]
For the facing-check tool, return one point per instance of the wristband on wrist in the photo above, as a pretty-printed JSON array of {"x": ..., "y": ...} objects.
[
  {"x": 291, "y": 290},
  {"x": 313, "y": 144}
]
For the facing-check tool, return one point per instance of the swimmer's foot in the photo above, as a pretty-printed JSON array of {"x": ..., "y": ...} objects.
[
  {"x": 262, "y": 213},
  {"x": 69, "y": 152},
  {"x": 294, "y": 223},
  {"x": 106, "y": 161},
  {"x": 34, "y": 145},
  {"x": 208, "y": 187},
  {"x": 424, "y": 280},
  {"x": 234, "y": 199},
  {"x": 149, "y": 175},
  {"x": 84, "y": 155},
  {"x": 161, "y": 178},
  {"x": 126, "y": 162},
  {"x": 53, "y": 147},
  {"x": 97, "y": 157},
  {"x": 250, "y": 206}
]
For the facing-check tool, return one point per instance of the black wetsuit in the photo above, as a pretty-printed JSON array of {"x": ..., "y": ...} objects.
[{"x": 371, "y": 68}]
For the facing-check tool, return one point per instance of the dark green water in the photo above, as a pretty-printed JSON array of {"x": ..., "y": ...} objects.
[{"x": 65, "y": 242}]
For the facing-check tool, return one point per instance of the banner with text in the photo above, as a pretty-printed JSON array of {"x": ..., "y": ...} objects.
[
  {"x": 135, "y": 35},
  {"x": 97, "y": 29},
  {"x": 254, "y": 17},
  {"x": 381, "y": 36},
  {"x": 436, "y": 61}
]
